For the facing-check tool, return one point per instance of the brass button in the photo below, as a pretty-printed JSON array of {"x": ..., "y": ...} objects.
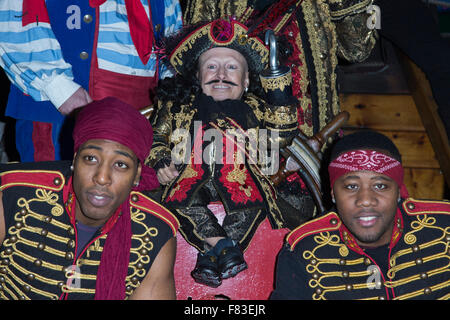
[
  {"x": 315, "y": 276},
  {"x": 48, "y": 219},
  {"x": 349, "y": 287},
  {"x": 84, "y": 55},
  {"x": 69, "y": 255},
  {"x": 71, "y": 231},
  {"x": 44, "y": 232},
  {"x": 158, "y": 27},
  {"x": 71, "y": 243},
  {"x": 134, "y": 198},
  {"x": 427, "y": 290},
  {"x": 41, "y": 246},
  {"x": 57, "y": 181},
  {"x": 87, "y": 18},
  {"x": 411, "y": 206},
  {"x": 419, "y": 261},
  {"x": 37, "y": 262},
  {"x": 367, "y": 261},
  {"x": 23, "y": 211},
  {"x": 345, "y": 274},
  {"x": 333, "y": 221},
  {"x": 415, "y": 248},
  {"x": 342, "y": 262},
  {"x": 423, "y": 275},
  {"x": 318, "y": 291}
]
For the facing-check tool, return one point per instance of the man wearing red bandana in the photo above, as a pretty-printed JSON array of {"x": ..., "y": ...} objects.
[
  {"x": 377, "y": 243},
  {"x": 86, "y": 229}
]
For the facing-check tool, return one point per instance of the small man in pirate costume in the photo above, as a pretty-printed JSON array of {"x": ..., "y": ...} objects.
[
  {"x": 378, "y": 243},
  {"x": 88, "y": 230},
  {"x": 217, "y": 89}
]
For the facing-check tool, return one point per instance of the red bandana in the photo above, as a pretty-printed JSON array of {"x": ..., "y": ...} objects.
[
  {"x": 367, "y": 160},
  {"x": 114, "y": 120}
]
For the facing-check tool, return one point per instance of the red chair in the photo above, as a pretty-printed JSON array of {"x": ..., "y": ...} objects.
[{"x": 255, "y": 283}]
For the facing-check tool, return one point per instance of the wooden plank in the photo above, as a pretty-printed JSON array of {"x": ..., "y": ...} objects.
[
  {"x": 427, "y": 108},
  {"x": 382, "y": 112},
  {"x": 424, "y": 183},
  {"x": 415, "y": 148}
]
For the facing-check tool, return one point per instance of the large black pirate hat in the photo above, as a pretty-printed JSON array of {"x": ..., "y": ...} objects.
[{"x": 193, "y": 41}]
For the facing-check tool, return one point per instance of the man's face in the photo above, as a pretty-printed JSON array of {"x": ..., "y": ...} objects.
[
  {"x": 223, "y": 73},
  {"x": 367, "y": 203},
  {"x": 104, "y": 173}
]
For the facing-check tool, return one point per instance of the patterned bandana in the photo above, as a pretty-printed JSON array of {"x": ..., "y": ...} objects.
[{"x": 367, "y": 160}]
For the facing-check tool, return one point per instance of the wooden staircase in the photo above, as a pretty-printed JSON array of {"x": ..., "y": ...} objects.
[{"x": 394, "y": 97}]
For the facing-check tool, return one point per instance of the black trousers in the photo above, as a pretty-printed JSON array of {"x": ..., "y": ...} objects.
[
  {"x": 198, "y": 222},
  {"x": 410, "y": 25}
]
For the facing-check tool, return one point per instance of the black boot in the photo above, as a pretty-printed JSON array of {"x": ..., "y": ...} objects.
[
  {"x": 206, "y": 270},
  {"x": 231, "y": 259}
]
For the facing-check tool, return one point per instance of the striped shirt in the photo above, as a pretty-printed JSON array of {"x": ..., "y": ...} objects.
[{"x": 32, "y": 58}]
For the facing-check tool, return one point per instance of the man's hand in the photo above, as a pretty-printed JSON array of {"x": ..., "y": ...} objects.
[
  {"x": 79, "y": 99},
  {"x": 167, "y": 174}
]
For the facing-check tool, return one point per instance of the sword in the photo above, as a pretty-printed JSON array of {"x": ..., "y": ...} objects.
[{"x": 302, "y": 156}]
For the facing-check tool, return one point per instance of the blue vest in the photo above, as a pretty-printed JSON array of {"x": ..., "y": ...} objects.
[{"x": 74, "y": 36}]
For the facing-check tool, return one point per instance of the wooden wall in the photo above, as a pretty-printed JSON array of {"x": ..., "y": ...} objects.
[{"x": 396, "y": 116}]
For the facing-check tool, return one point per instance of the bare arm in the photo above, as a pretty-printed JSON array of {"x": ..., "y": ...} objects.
[{"x": 159, "y": 283}]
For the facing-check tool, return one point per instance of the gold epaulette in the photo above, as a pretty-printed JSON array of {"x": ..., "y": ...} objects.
[
  {"x": 146, "y": 204},
  {"x": 328, "y": 222},
  {"x": 50, "y": 180},
  {"x": 415, "y": 207}
]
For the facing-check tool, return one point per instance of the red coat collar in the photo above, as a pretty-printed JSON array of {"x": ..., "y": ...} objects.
[{"x": 350, "y": 241}]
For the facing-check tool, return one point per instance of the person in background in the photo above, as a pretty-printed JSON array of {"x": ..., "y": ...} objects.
[{"x": 61, "y": 54}]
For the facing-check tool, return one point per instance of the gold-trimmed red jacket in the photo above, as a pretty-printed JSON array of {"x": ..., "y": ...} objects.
[
  {"x": 37, "y": 256},
  {"x": 322, "y": 261}
]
